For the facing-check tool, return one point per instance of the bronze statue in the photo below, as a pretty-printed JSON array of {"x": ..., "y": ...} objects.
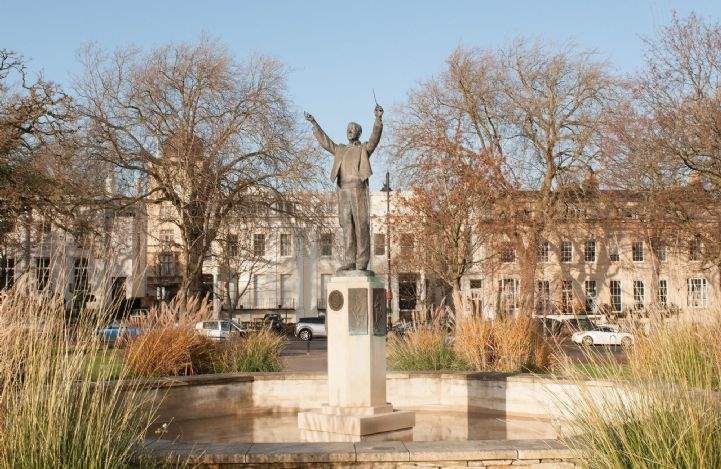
[{"x": 351, "y": 170}]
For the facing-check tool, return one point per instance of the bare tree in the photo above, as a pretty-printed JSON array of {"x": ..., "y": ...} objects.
[
  {"x": 445, "y": 216},
  {"x": 208, "y": 134},
  {"x": 533, "y": 113},
  {"x": 33, "y": 117}
]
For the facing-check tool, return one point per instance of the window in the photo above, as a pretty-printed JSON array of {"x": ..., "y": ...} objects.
[
  {"x": 379, "y": 244},
  {"x": 286, "y": 291},
  {"x": 407, "y": 244},
  {"x": 508, "y": 295},
  {"x": 286, "y": 247},
  {"x": 543, "y": 296},
  {"x": 166, "y": 212},
  {"x": 118, "y": 291},
  {"x": 232, "y": 245},
  {"x": 326, "y": 244},
  {"x": 407, "y": 291},
  {"x": 543, "y": 248},
  {"x": 566, "y": 296},
  {"x": 508, "y": 253},
  {"x": 166, "y": 236},
  {"x": 615, "y": 287},
  {"x": 694, "y": 249},
  {"x": 287, "y": 208},
  {"x": 167, "y": 264},
  {"x": 258, "y": 284},
  {"x": 7, "y": 272},
  {"x": 697, "y": 293},
  {"x": 259, "y": 245},
  {"x": 638, "y": 294},
  {"x": 659, "y": 250},
  {"x": 613, "y": 255},
  {"x": 323, "y": 294},
  {"x": 475, "y": 284},
  {"x": 637, "y": 251},
  {"x": 591, "y": 294},
  {"x": 566, "y": 251},
  {"x": 589, "y": 251},
  {"x": 42, "y": 272},
  {"x": 80, "y": 275},
  {"x": 662, "y": 292}
]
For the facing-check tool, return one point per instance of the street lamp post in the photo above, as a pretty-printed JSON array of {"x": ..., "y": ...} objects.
[{"x": 389, "y": 293}]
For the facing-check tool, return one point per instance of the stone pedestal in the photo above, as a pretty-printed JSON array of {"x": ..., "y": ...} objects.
[{"x": 357, "y": 408}]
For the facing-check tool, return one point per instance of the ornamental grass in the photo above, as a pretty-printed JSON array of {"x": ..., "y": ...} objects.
[
  {"x": 470, "y": 344},
  {"x": 256, "y": 351},
  {"x": 58, "y": 408},
  {"x": 664, "y": 408}
]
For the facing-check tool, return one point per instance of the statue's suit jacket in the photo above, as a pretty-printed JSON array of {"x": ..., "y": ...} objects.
[{"x": 353, "y": 158}]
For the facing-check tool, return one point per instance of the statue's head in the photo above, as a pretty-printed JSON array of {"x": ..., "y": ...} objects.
[{"x": 354, "y": 131}]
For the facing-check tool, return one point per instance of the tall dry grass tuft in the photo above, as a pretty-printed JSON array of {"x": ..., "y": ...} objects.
[
  {"x": 519, "y": 345},
  {"x": 664, "y": 409},
  {"x": 436, "y": 342},
  {"x": 427, "y": 346},
  {"x": 168, "y": 344},
  {"x": 52, "y": 412},
  {"x": 474, "y": 343},
  {"x": 509, "y": 344},
  {"x": 256, "y": 351}
]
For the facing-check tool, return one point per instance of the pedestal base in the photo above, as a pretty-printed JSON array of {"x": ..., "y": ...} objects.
[{"x": 355, "y": 424}]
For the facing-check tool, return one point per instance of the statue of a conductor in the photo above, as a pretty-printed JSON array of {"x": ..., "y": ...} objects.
[{"x": 351, "y": 170}]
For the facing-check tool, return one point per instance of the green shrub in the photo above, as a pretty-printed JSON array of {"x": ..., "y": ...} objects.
[{"x": 256, "y": 351}]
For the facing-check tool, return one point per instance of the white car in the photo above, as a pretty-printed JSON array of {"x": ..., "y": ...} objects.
[
  {"x": 602, "y": 335},
  {"x": 219, "y": 329}
]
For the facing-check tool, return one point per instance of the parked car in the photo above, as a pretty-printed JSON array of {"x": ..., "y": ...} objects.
[
  {"x": 273, "y": 321},
  {"x": 401, "y": 327},
  {"x": 602, "y": 335},
  {"x": 219, "y": 329},
  {"x": 115, "y": 332},
  {"x": 307, "y": 328}
]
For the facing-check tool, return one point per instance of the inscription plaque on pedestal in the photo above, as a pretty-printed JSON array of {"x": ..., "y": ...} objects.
[
  {"x": 380, "y": 320},
  {"x": 358, "y": 311}
]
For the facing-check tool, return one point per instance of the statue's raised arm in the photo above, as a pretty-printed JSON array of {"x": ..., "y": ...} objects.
[
  {"x": 323, "y": 138},
  {"x": 377, "y": 130}
]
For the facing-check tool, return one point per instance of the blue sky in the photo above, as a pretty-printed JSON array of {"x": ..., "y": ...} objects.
[{"x": 337, "y": 50}]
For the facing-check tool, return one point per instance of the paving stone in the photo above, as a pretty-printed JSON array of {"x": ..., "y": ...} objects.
[
  {"x": 301, "y": 452},
  {"x": 381, "y": 451},
  {"x": 552, "y": 465},
  {"x": 541, "y": 449},
  {"x": 459, "y": 450},
  {"x": 491, "y": 462}
]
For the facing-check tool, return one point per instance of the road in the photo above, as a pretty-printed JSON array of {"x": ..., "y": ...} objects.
[
  {"x": 305, "y": 356},
  {"x": 311, "y": 356}
]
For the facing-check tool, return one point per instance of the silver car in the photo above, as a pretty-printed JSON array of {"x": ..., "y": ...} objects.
[{"x": 308, "y": 328}]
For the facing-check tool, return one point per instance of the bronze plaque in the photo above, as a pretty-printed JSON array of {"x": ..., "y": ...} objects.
[
  {"x": 380, "y": 319},
  {"x": 358, "y": 311},
  {"x": 335, "y": 300}
]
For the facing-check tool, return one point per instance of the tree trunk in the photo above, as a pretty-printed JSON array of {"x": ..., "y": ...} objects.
[
  {"x": 459, "y": 304},
  {"x": 192, "y": 271},
  {"x": 528, "y": 262}
]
